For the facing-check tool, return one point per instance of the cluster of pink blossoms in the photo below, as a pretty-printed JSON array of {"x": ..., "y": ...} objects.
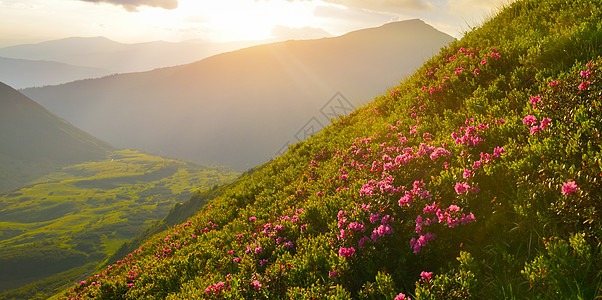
[
  {"x": 469, "y": 136},
  {"x": 216, "y": 289},
  {"x": 426, "y": 276},
  {"x": 451, "y": 216},
  {"x": 535, "y": 101},
  {"x": 569, "y": 188},
  {"x": 346, "y": 252},
  {"x": 418, "y": 192},
  {"x": 463, "y": 187},
  {"x": 585, "y": 85},
  {"x": 402, "y": 296},
  {"x": 468, "y": 61},
  {"x": 256, "y": 285},
  {"x": 532, "y": 120},
  {"x": 348, "y": 229}
]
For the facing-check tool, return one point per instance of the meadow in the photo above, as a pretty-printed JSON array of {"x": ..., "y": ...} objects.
[{"x": 82, "y": 215}]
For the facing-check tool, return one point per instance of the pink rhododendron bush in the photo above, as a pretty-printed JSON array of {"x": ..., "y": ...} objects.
[{"x": 478, "y": 177}]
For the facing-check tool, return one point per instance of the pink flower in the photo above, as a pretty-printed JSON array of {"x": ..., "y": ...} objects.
[
  {"x": 256, "y": 285},
  {"x": 484, "y": 61},
  {"x": 439, "y": 152},
  {"x": 467, "y": 218},
  {"x": 467, "y": 173},
  {"x": 475, "y": 190},
  {"x": 535, "y": 129},
  {"x": 402, "y": 296},
  {"x": 569, "y": 188},
  {"x": 374, "y": 217},
  {"x": 252, "y": 219},
  {"x": 498, "y": 151},
  {"x": 426, "y": 275},
  {"x": 404, "y": 200},
  {"x": 544, "y": 123},
  {"x": 535, "y": 100},
  {"x": 461, "y": 188},
  {"x": 584, "y": 86},
  {"x": 453, "y": 208},
  {"x": 529, "y": 120},
  {"x": 346, "y": 252},
  {"x": 585, "y": 74},
  {"x": 477, "y": 71},
  {"x": 553, "y": 83},
  {"x": 363, "y": 241}
]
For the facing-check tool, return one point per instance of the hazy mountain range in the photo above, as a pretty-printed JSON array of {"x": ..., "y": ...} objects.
[
  {"x": 243, "y": 107},
  {"x": 59, "y": 61},
  {"x": 22, "y": 73}
]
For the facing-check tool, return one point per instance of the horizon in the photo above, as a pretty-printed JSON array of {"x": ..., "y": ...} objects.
[{"x": 29, "y": 21}]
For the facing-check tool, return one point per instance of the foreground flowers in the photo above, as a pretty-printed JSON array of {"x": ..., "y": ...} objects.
[{"x": 569, "y": 188}]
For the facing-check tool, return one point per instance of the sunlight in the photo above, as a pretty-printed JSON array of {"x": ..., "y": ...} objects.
[{"x": 246, "y": 19}]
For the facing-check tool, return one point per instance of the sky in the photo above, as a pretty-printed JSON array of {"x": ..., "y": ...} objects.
[{"x": 132, "y": 21}]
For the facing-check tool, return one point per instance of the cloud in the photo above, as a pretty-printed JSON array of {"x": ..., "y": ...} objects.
[
  {"x": 382, "y": 6},
  {"x": 291, "y": 33},
  {"x": 366, "y": 18},
  {"x": 132, "y": 5},
  {"x": 385, "y": 5}
]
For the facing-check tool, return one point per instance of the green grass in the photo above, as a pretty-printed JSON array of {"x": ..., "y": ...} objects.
[
  {"x": 93, "y": 208},
  {"x": 363, "y": 208}
]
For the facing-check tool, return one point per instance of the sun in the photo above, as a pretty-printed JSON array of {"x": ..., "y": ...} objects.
[{"x": 230, "y": 20}]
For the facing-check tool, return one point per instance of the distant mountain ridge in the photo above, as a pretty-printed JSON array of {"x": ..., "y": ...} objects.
[
  {"x": 23, "y": 73},
  {"x": 115, "y": 57},
  {"x": 35, "y": 141},
  {"x": 239, "y": 108}
]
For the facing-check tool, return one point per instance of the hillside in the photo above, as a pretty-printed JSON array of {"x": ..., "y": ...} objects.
[
  {"x": 215, "y": 110},
  {"x": 477, "y": 177},
  {"x": 22, "y": 73},
  {"x": 35, "y": 141},
  {"x": 66, "y": 223}
]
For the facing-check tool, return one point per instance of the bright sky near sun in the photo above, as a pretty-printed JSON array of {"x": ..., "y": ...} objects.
[{"x": 225, "y": 20}]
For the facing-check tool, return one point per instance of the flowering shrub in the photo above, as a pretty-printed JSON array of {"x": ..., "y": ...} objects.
[{"x": 489, "y": 145}]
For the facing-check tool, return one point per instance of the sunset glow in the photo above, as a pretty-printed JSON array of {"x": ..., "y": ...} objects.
[{"x": 221, "y": 21}]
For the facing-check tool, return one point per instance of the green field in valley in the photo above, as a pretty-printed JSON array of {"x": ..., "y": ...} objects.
[{"x": 84, "y": 213}]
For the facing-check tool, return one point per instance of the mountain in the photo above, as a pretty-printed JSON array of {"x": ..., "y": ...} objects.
[
  {"x": 241, "y": 108},
  {"x": 35, "y": 141},
  {"x": 22, "y": 73},
  {"x": 115, "y": 57},
  {"x": 477, "y": 177}
]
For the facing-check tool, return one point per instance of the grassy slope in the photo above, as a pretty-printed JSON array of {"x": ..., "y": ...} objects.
[
  {"x": 81, "y": 215},
  {"x": 365, "y": 207}
]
